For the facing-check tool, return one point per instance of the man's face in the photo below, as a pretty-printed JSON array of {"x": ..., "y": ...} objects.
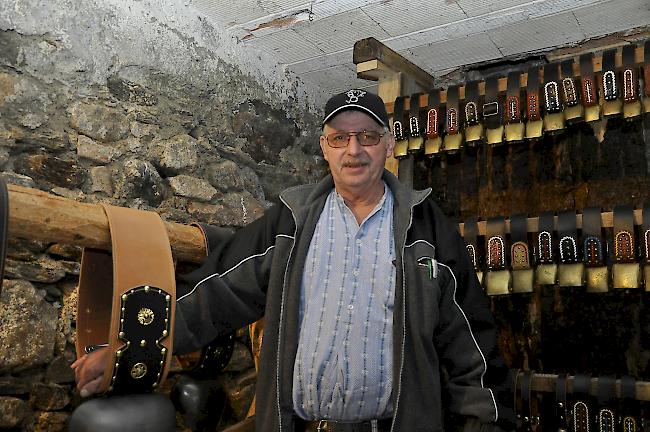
[{"x": 356, "y": 167}]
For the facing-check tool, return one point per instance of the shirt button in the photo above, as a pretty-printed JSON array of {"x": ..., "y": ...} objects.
[
  {"x": 350, "y": 307},
  {"x": 359, "y": 242},
  {"x": 356, "y": 272}
]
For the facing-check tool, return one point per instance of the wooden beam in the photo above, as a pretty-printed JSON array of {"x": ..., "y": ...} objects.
[
  {"x": 370, "y": 49},
  {"x": 37, "y": 215},
  {"x": 523, "y": 80},
  {"x": 606, "y": 220}
]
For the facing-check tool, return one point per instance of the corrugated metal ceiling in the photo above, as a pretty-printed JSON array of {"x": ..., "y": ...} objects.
[{"x": 315, "y": 38}]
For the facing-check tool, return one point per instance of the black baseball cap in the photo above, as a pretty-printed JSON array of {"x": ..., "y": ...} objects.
[{"x": 360, "y": 100}]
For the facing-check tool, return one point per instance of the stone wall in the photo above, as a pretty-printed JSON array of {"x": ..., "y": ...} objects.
[{"x": 140, "y": 104}]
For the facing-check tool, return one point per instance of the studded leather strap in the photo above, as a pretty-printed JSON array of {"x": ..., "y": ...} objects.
[
  {"x": 592, "y": 235},
  {"x": 434, "y": 116},
  {"x": 581, "y": 406},
  {"x": 492, "y": 109},
  {"x": 4, "y": 224},
  {"x": 646, "y": 68},
  {"x": 607, "y": 416},
  {"x": 546, "y": 246},
  {"x": 128, "y": 299},
  {"x": 569, "y": 87},
  {"x": 646, "y": 233},
  {"x": 470, "y": 235},
  {"x": 610, "y": 80},
  {"x": 452, "y": 122},
  {"x": 533, "y": 104},
  {"x": 624, "y": 241},
  {"x": 552, "y": 95},
  {"x": 399, "y": 128},
  {"x": 629, "y": 405},
  {"x": 519, "y": 250},
  {"x": 568, "y": 233},
  {"x": 588, "y": 82},
  {"x": 496, "y": 243},
  {"x": 472, "y": 104},
  {"x": 630, "y": 75},
  {"x": 513, "y": 99},
  {"x": 560, "y": 403},
  {"x": 414, "y": 128}
]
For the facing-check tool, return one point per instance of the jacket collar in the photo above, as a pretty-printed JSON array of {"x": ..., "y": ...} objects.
[{"x": 300, "y": 198}]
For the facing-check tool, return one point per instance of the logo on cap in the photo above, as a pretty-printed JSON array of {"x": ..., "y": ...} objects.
[{"x": 354, "y": 95}]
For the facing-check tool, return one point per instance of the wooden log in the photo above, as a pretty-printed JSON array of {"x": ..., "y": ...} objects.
[{"x": 37, "y": 215}]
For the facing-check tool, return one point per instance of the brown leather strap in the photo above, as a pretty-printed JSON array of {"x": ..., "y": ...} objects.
[
  {"x": 492, "y": 111},
  {"x": 496, "y": 243},
  {"x": 513, "y": 99},
  {"x": 630, "y": 75},
  {"x": 519, "y": 250},
  {"x": 568, "y": 233},
  {"x": 470, "y": 235},
  {"x": 624, "y": 242},
  {"x": 588, "y": 85},
  {"x": 533, "y": 112},
  {"x": 127, "y": 299},
  {"x": 433, "y": 115},
  {"x": 415, "y": 130}
]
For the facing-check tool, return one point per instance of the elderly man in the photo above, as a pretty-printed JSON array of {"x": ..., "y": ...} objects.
[{"x": 368, "y": 294}]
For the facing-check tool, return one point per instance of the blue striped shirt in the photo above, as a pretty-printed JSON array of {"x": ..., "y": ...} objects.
[{"x": 343, "y": 368}]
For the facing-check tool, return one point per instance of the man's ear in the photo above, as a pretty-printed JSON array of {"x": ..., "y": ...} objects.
[
  {"x": 323, "y": 146},
  {"x": 390, "y": 144}
]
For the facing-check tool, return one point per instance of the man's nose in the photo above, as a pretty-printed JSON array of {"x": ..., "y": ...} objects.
[{"x": 354, "y": 146}]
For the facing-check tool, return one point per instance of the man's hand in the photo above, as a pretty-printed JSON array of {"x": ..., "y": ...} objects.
[{"x": 89, "y": 371}]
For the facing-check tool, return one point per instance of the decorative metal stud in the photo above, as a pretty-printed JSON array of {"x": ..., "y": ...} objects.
[
  {"x": 145, "y": 316},
  {"x": 143, "y": 343},
  {"x": 146, "y": 288}
]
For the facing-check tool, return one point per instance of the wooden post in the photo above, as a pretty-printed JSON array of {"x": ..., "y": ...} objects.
[
  {"x": 396, "y": 76},
  {"x": 37, "y": 215}
]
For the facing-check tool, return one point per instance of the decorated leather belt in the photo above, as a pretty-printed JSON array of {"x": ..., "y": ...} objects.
[
  {"x": 526, "y": 422},
  {"x": 454, "y": 137},
  {"x": 383, "y": 425},
  {"x": 611, "y": 85},
  {"x": 473, "y": 125},
  {"x": 629, "y": 413},
  {"x": 553, "y": 117},
  {"x": 522, "y": 272},
  {"x": 4, "y": 224},
  {"x": 646, "y": 76},
  {"x": 470, "y": 234},
  {"x": 571, "y": 271},
  {"x": 546, "y": 271},
  {"x": 399, "y": 129},
  {"x": 127, "y": 299},
  {"x": 493, "y": 111},
  {"x": 573, "y": 109},
  {"x": 626, "y": 272},
  {"x": 415, "y": 124},
  {"x": 631, "y": 100},
  {"x": 594, "y": 247},
  {"x": 534, "y": 124},
  {"x": 435, "y": 117},
  {"x": 514, "y": 129},
  {"x": 581, "y": 406},
  {"x": 588, "y": 88},
  {"x": 561, "y": 424},
  {"x": 607, "y": 416},
  {"x": 497, "y": 280},
  {"x": 646, "y": 246}
]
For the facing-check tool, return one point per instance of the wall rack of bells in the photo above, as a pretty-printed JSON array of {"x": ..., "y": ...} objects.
[
  {"x": 579, "y": 403},
  {"x": 541, "y": 101},
  {"x": 593, "y": 249}
]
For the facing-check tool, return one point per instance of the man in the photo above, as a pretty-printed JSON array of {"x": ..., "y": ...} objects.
[{"x": 367, "y": 293}]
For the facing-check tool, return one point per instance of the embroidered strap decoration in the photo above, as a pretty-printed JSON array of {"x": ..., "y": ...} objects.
[
  {"x": 545, "y": 239},
  {"x": 588, "y": 87},
  {"x": 624, "y": 247},
  {"x": 581, "y": 415},
  {"x": 592, "y": 232},
  {"x": 414, "y": 115},
  {"x": 433, "y": 115},
  {"x": 646, "y": 233},
  {"x": 629, "y": 405},
  {"x": 532, "y": 95},
  {"x": 609, "y": 80},
  {"x": 569, "y": 90},
  {"x": 606, "y": 413},
  {"x": 568, "y": 232},
  {"x": 552, "y": 101},
  {"x": 560, "y": 404}
]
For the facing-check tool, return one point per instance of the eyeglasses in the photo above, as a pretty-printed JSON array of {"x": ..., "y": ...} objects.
[{"x": 342, "y": 139}]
